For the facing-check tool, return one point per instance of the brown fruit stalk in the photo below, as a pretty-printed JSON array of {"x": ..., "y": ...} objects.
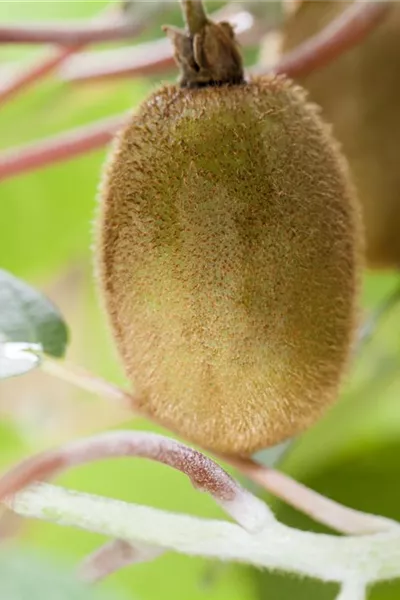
[
  {"x": 359, "y": 95},
  {"x": 228, "y": 254}
]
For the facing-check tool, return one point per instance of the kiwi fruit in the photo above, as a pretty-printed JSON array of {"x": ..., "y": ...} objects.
[
  {"x": 228, "y": 256},
  {"x": 358, "y": 93}
]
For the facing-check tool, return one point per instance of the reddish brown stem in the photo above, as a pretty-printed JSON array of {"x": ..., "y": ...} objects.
[
  {"x": 205, "y": 475},
  {"x": 348, "y": 30},
  {"x": 113, "y": 556},
  {"x": 27, "y": 76},
  {"x": 151, "y": 58},
  {"x": 318, "y": 507},
  {"x": 68, "y": 35},
  {"x": 59, "y": 148},
  {"x": 23, "y": 79}
]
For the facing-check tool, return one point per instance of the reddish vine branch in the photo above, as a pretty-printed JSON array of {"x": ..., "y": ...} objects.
[
  {"x": 24, "y": 78},
  {"x": 68, "y": 35},
  {"x": 318, "y": 507},
  {"x": 149, "y": 58},
  {"x": 113, "y": 556},
  {"x": 205, "y": 475},
  {"x": 60, "y": 147},
  {"x": 347, "y": 30}
]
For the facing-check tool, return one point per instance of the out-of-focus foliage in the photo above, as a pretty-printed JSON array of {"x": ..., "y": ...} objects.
[
  {"x": 27, "y": 576},
  {"x": 27, "y": 316},
  {"x": 45, "y": 237}
]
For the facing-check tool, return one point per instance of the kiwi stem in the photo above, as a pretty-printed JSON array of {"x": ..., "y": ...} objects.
[
  {"x": 207, "y": 54},
  {"x": 86, "y": 381},
  {"x": 195, "y": 15}
]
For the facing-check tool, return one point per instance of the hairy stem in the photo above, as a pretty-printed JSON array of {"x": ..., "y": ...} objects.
[{"x": 354, "y": 561}]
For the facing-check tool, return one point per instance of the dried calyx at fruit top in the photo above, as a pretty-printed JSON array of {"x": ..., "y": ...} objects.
[
  {"x": 229, "y": 252},
  {"x": 207, "y": 52}
]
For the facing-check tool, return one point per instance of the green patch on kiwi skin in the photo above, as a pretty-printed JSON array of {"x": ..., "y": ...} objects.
[
  {"x": 358, "y": 93},
  {"x": 228, "y": 252}
]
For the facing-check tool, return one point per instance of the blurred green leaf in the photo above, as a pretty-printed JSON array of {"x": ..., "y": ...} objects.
[
  {"x": 29, "y": 317},
  {"x": 28, "y": 576}
]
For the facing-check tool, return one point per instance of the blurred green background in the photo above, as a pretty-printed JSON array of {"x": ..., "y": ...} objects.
[{"x": 46, "y": 219}]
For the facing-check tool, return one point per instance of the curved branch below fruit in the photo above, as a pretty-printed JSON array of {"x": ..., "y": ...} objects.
[
  {"x": 353, "y": 561},
  {"x": 321, "y": 509},
  {"x": 205, "y": 475}
]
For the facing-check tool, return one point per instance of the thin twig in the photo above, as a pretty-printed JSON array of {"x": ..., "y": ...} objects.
[
  {"x": 67, "y": 34},
  {"x": 113, "y": 556},
  {"x": 149, "y": 58},
  {"x": 60, "y": 147},
  {"x": 25, "y": 77},
  {"x": 205, "y": 475},
  {"x": 318, "y": 507},
  {"x": 347, "y": 30},
  {"x": 84, "y": 380}
]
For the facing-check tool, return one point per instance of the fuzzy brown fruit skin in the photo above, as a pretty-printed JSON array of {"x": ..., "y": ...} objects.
[
  {"x": 228, "y": 259},
  {"x": 359, "y": 93}
]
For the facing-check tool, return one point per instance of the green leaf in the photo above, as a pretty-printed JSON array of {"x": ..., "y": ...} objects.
[
  {"x": 27, "y": 576},
  {"x": 28, "y": 322}
]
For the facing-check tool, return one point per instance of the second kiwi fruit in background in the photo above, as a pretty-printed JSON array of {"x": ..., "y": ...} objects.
[{"x": 359, "y": 95}]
